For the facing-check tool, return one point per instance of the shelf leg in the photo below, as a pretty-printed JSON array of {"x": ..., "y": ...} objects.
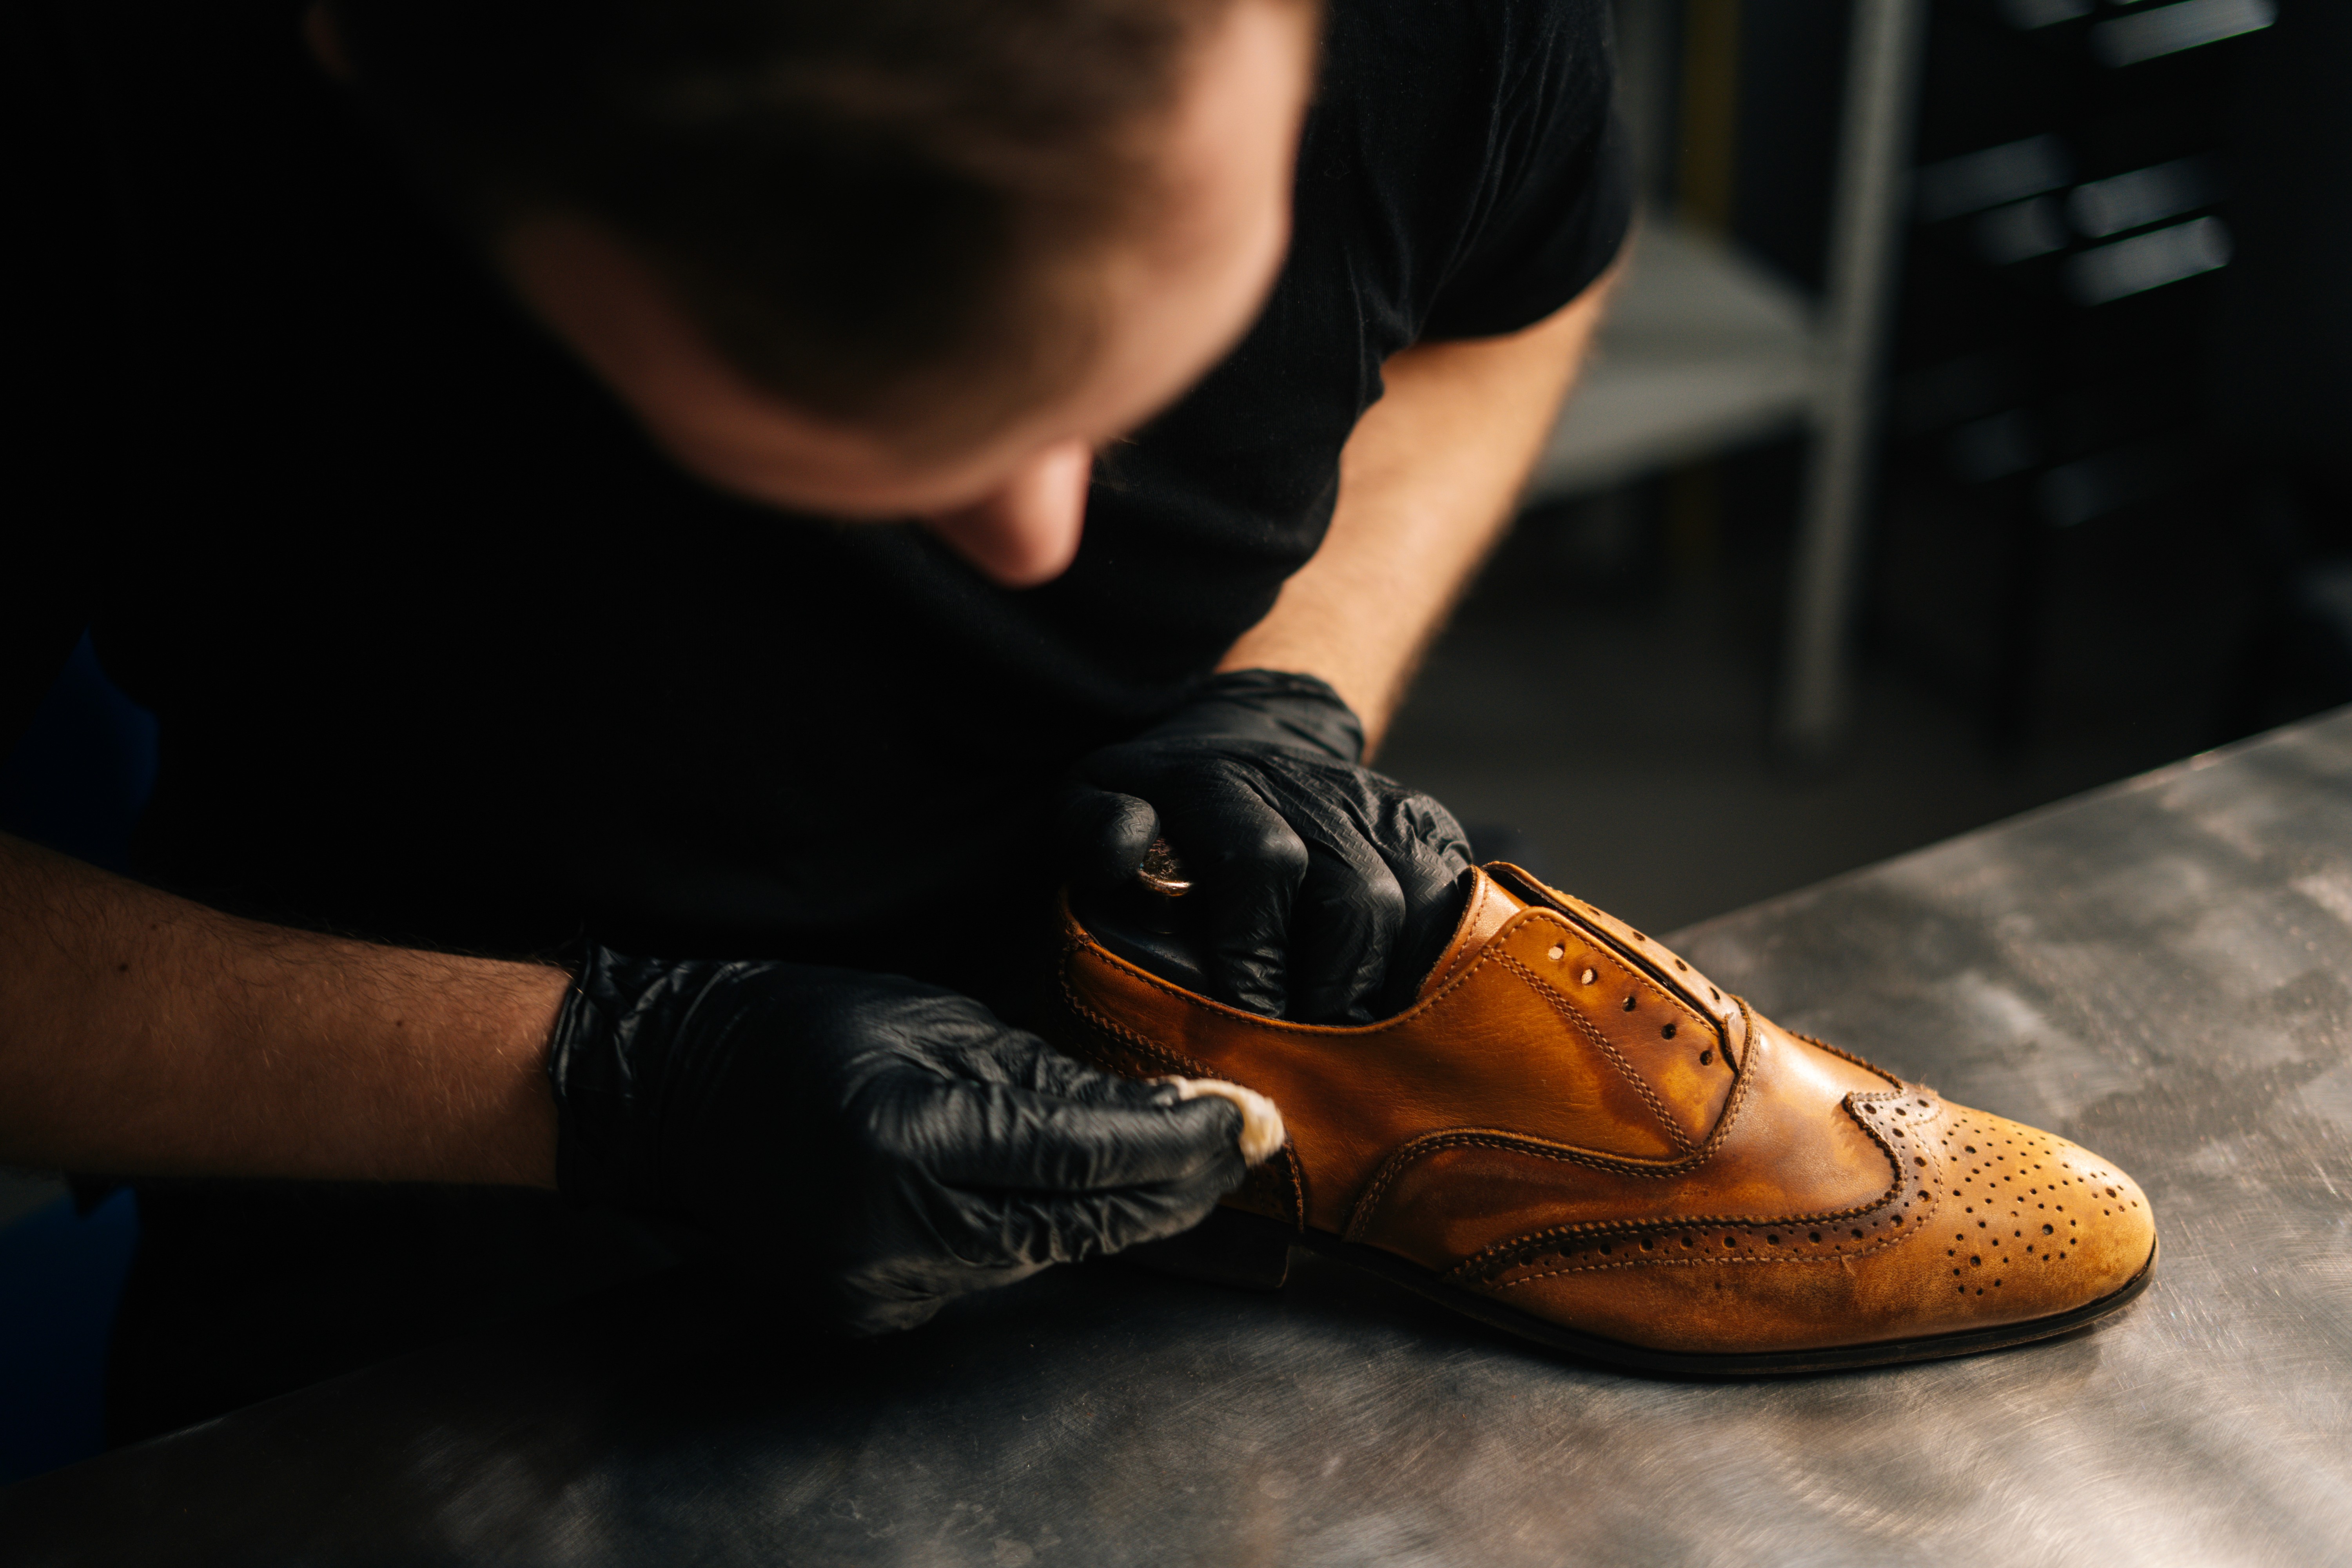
[{"x": 1865, "y": 246}]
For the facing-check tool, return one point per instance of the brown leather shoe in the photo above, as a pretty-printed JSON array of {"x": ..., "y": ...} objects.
[{"x": 1572, "y": 1135}]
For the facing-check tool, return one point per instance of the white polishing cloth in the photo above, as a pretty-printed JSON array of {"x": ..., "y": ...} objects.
[{"x": 1262, "y": 1132}]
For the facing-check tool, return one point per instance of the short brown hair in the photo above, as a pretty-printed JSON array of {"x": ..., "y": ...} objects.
[{"x": 860, "y": 202}]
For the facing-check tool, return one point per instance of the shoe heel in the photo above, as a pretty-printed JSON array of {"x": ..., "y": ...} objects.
[{"x": 1233, "y": 1247}]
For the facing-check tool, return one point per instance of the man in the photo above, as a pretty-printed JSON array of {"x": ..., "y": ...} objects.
[{"x": 550, "y": 799}]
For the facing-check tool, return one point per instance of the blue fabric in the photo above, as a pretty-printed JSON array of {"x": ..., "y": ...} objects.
[
  {"x": 60, "y": 1278},
  {"x": 81, "y": 772},
  {"x": 75, "y": 780}
]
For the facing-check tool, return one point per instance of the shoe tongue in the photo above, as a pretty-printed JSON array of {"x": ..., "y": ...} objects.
[{"x": 1483, "y": 914}]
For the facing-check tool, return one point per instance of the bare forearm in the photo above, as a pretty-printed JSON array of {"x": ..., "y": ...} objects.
[
  {"x": 1426, "y": 483},
  {"x": 142, "y": 1033}
]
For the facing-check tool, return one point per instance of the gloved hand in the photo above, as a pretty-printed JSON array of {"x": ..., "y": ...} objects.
[
  {"x": 1321, "y": 892},
  {"x": 888, "y": 1143}
]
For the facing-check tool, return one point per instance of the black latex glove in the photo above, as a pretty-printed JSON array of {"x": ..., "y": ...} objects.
[
  {"x": 1322, "y": 891},
  {"x": 887, "y": 1144}
]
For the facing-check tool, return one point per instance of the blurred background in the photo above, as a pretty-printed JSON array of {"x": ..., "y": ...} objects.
[
  {"x": 1968, "y": 434},
  {"x": 2095, "y": 473}
]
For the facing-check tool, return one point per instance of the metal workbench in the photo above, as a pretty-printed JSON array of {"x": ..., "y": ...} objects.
[{"x": 2163, "y": 970}]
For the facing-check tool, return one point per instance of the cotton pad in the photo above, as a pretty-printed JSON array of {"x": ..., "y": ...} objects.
[{"x": 1262, "y": 1133}]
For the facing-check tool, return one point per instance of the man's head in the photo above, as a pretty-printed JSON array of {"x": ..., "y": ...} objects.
[{"x": 867, "y": 258}]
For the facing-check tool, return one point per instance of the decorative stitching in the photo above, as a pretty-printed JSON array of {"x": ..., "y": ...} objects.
[
  {"x": 1078, "y": 946},
  {"x": 1835, "y": 1051},
  {"x": 1914, "y": 1184},
  {"x": 1411, "y": 1153},
  {"x": 1081, "y": 945},
  {"x": 1562, "y": 1006},
  {"x": 1085, "y": 947},
  {"x": 1550, "y": 899},
  {"x": 1149, "y": 1049},
  {"x": 1392, "y": 1168},
  {"x": 1154, "y": 1052},
  {"x": 1667, "y": 994},
  {"x": 1504, "y": 1255},
  {"x": 1298, "y": 1187}
]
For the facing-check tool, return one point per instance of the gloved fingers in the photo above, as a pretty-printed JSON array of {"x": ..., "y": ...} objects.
[
  {"x": 891, "y": 1295},
  {"x": 1381, "y": 895},
  {"x": 1343, "y": 927},
  {"x": 1243, "y": 922},
  {"x": 1247, "y": 863},
  {"x": 1429, "y": 856},
  {"x": 867, "y": 1302},
  {"x": 1032, "y": 1229},
  {"x": 1425, "y": 846},
  {"x": 1102, "y": 834},
  {"x": 1025, "y": 1059},
  {"x": 1384, "y": 861},
  {"x": 1245, "y": 858},
  {"x": 999, "y": 1137},
  {"x": 1017, "y": 1057}
]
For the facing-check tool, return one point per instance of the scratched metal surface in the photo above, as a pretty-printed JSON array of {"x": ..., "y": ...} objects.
[{"x": 2163, "y": 970}]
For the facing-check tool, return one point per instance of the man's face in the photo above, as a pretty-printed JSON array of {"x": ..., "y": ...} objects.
[{"x": 1176, "y": 298}]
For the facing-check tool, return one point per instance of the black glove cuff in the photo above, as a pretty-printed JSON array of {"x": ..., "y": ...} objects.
[
  {"x": 1277, "y": 706},
  {"x": 603, "y": 1062}
]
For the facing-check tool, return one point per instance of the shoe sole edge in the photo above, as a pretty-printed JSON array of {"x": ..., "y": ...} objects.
[{"x": 1731, "y": 1364}]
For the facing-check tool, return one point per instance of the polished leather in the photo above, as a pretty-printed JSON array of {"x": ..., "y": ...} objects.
[{"x": 1572, "y": 1121}]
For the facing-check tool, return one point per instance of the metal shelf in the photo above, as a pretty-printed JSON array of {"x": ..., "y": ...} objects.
[
  {"x": 1703, "y": 351},
  {"x": 1707, "y": 352}
]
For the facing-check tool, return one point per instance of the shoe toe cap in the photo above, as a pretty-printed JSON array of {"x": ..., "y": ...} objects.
[
  {"x": 2042, "y": 1223},
  {"x": 2011, "y": 1226}
]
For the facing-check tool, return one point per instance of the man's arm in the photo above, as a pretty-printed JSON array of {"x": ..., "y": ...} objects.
[
  {"x": 1426, "y": 483},
  {"x": 1324, "y": 888},
  {"x": 145, "y": 1034}
]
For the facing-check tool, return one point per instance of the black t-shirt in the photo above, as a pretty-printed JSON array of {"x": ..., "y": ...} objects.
[{"x": 445, "y": 652}]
